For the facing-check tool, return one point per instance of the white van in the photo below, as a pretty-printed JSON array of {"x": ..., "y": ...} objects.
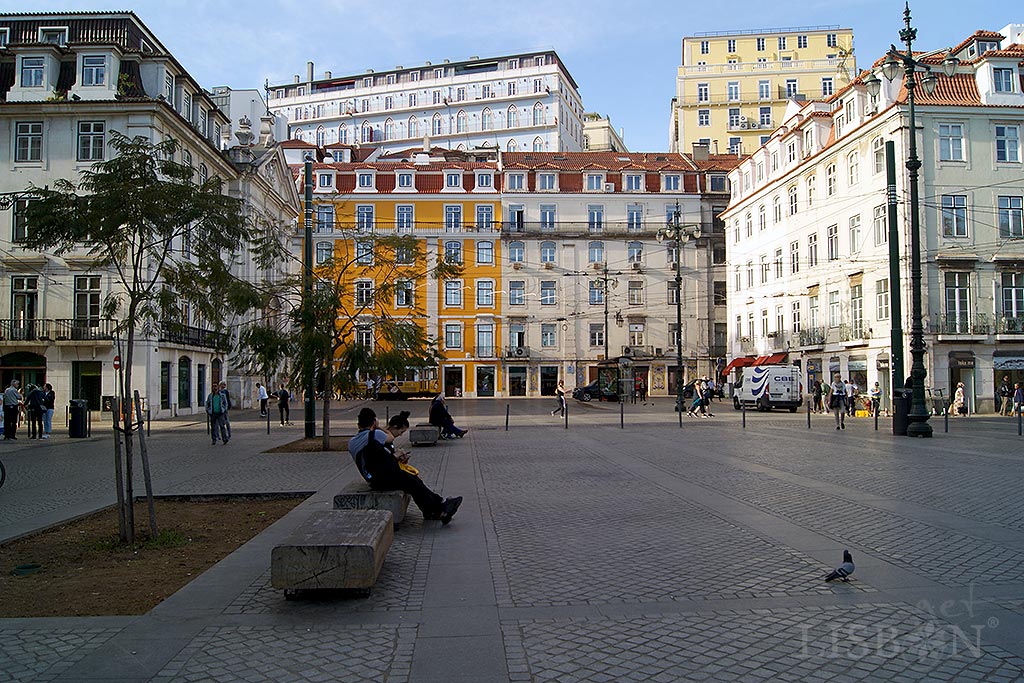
[{"x": 768, "y": 386}]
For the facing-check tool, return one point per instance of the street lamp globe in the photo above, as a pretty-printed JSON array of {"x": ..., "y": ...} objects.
[{"x": 890, "y": 68}]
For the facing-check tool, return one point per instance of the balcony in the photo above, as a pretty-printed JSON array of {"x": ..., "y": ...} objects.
[
  {"x": 854, "y": 333},
  {"x": 1010, "y": 325},
  {"x": 640, "y": 350},
  {"x": 813, "y": 336},
  {"x": 517, "y": 352},
  {"x": 485, "y": 352},
  {"x": 171, "y": 333},
  {"x": 777, "y": 341},
  {"x": 747, "y": 345},
  {"x": 607, "y": 227},
  {"x": 53, "y": 330},
  {"x": 961, "y": 325}
]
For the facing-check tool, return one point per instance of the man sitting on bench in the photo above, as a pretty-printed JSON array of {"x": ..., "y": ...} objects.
[
  {"x": 379, "y": 467},
  {"x": 442, "y": 419}
]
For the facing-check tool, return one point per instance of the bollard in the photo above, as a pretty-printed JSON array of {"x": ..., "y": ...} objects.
[
  {"x": 875, "y": 411},
  {"x": 387, "y": 414},
  {"x": 506, "y": 416},
  {"x": 808, "y": 414},
  {"x": 268, "y": 419},
  {"x": 744, "y": 406},
  {"x": 149, "y": 421},
  {"x": 945, "y": 421},
  {"x": 565, "y": 411},
  {"x": 1018, "y": 422},
  {"x": 622, "y": 414}
]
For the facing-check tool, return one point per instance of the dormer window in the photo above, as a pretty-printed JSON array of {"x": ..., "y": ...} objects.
[
  {"x": 31, "y": 72},
  {"x": 718, "y": 183},
  {"x": 54, "y": 35},
  {"x": 670, "y": 183},
  {"x": 5, "y": 36},
  {"x": 1002, "y": 80},
  {"x": 368, "y": 82},
  {"x": 985, "y": 45},
  {"x": 326, "y": 179},
  {"x": 453, "y": 180},
  {"x": 405, "y": 180},
  {"x": 364, "y": 180},
  {"x": 169, "y": 87},
  {"x": 546, "y": 181},
  {"x": 484, "y": 180},
  {"x": 634, "y": 182},
  {"x": 515, "y": 181},
  {"x": 94, "y": 70},
  {"x": 594, "y": 182}
]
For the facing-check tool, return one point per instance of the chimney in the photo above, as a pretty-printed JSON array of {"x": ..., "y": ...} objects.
[
  {"x": 700, "y": 151},
  {"x": 309, "y": 72},
  {"x": 426, "y": 143},
  {"x": 327, "y": 74},
  {"x": 716, "y": 146},
  {"x": 296, "y": 78}
]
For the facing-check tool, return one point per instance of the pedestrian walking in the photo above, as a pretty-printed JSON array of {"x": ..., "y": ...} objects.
[
  {"x": 34, "y": 402},
  {"x": 282, "y": 405},
  {"x": 264, "y": 398},
  {"x": 641, "y": 387},
  {"x": 228, "y": 406},
  {"x": 12, "y": 410},
  {"x": 959, "y": 406},
  {"x": 876, "y": 399},
  {"x": 816, "y": 405},
  {"x": 560, "y": 395},
  {"x": 217, "y": 410},
  {"x": 837, "y": 401},
  {"x": 1018, "y": 398},
  {"x": 1006, "y": 397}
]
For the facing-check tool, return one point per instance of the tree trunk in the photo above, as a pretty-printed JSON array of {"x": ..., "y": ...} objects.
[{"x": 144, "y": 455}]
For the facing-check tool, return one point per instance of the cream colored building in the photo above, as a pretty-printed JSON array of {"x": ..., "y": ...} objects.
[
  {"x": 599, "y": 135},
  {"x": 732, "y": 87}
]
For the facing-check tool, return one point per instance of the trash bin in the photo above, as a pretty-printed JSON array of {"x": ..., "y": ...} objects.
[
  {"x": 901, "y": 411},
  {"x": 77, "y": 425}
]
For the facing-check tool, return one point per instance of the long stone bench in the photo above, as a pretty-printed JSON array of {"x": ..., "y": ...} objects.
[
  {"x": 358, "y": 495},
  {"x": 424, "y": 435},
  {"x": 333, "y": 550}
]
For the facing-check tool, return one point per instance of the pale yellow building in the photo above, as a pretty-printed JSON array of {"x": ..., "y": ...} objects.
[{"x": 732, "y": 87}]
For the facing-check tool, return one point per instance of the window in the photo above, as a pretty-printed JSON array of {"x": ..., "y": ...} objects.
[
  {"x": 1013, "y": 295},
  {"x": 324, "y": 218},
  {"x": 20, "y": 220},
  {"x": 516, "y": 252},
  {"x": 832, "y": 245},
  {"x": 720, "y": 292},
  {"x": 547, "y": 217},
  {"x": 325, "y": 179},
  {"x": 718, "y": 183},
  {"x": 812, "y": 310},
  {"x": 547, "y": 252},
  {"x": 403, "y": 219},
  {"x": 515, "y": 181},
  {"x": 596, "y": 334},
  {"x": 878, "y": 225},
  {"x": 857, "y": 311},
  {"x": 958, "y": 298},
  {"x": 364, "y": 293},
  {"x": 595, "y": 252},
  {"x": 792, "y": 201},
  {"x": 595, "y": 218},
  {"x": 735, "y": 147},
  {"x": 324, "y": 252},
  {"x": 516, "y": 293},
  {"x": 811, "y": 186},
  {"x": 636, "y": 293},
  {"x": 764, "y": 115},
  {"x": 94, "y": 70},
  {"x": 31, "y": 72},
  {"x": 595, "y": 182},
  {"x": 635, "y": 252},
  {"x": 484, "y": 253},
  {"x": 834, "y": 309},
  {"x": 795, "y": 315},
  {"x": 734, "y": 117},
  {"x": 453, "y": 180},
  {"x": 670, "y": 183},
  {"x": 739, "y": 279},
  {"x": 538, "y": 114},
  {"x": 733, "y": 91},
  {"x": 1010, "y": 223},
  {"x": 453, "y": 293},
  {"x": 596, "y": 290},
  {"x": 484, "y": 217},
  {"x": 764, "y": 90},
  {"x": 827, "y": 87},
  {"x": 512, "y": 117},
  {"x": 452, "y": 218},
  {"x": 765, "y": 268},
  {"x": 705, "y": 47},
  {"x": 28, "y": 142},
  {"x": 364, "y": 218},
  {"x": 812, "y": 251},
  {"x": 485, "y": 293},
  {"x": 730, "y": 45},
  {"x": 703, "y": 117},
  {"x": 778, "y": 262},
  {"x": 405, "y": 255},
  {"x": 855, "y": 236},
  {"x": 703, "y": 92},
  {"x": 453, "y": 251},
  {"x": 852, "y": 168},
  {"x": 954, "y": 215},
  {"x": 748, "y": 221},
  {"x": 453, "y": 336},
  {"x": 878, "y": 154},
  {"x": 634, "y": 182},
  {"x": 403, "y": 294},
  {"x": 364, "y": 252},
  {"x": 365, "y": 180},
  {"x": 636, "y": 334},
  {"x": 882, "y": 299},
  {"x": 1003, "y": 79},
  {"x": 547, "y": 293},
  {"x": 436, "y": 127},
  {"x": 634, "y": 218},
  {"x": 548, "y": 335},
  {"x": 762, "y": 218},
  {"x": 782, "y": 42},
  {"x": 1007, "y": 144},
  {"x": 90, "y": 140},
  {"x": 750, "y": 274},
  {"x": 777, "y": 210},
  {"x": 760, "y": 44},
  {"x": 830, "y": 180},
  {"x": 792, "y": 89},
  {"x": 951, "y": 142},
  {"x": 794, "y": 257},
  {"x": 546, "y": 181}
]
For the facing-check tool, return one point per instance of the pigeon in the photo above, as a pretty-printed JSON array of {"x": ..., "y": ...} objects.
[{"x": 844, "y": 570}]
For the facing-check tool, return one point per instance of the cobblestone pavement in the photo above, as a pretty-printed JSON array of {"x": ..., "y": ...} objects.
[{"x": 590, "y": 554}]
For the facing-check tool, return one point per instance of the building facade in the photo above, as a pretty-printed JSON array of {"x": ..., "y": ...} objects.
[
  {"x": 517, "y": 102},
  {"x": 599, "y": 135},
  {"x": 732, "y": 87},
  {"x": 809, "y": 241},
  {"x": 66, "y": 82}
]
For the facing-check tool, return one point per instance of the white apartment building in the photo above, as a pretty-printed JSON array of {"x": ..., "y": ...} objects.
[
  {"x": 808, "y": 241},
  {"x": 73, "y": 79},
  {"x": 514, "y": 103},
  {"x": 587, "y": 284}
]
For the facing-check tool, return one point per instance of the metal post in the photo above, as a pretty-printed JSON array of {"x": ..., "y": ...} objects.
[
  {"x": 809, "y": 415},
  {"x": 679, "y": 317},
  {"x": 945, "y": 420},
  {"x": 309, "y": 383},
  {"x": 875, "y": 411},
  {"x": 565, "y": 409},
  {"x": 268, "y": 417},
  {"x": 1019, "y": 412},
  {"x": 744, "y": 406},
  {"x": 895, "y": 291},
  {"x": 506, "y": 416},
  {"x": 622, "y": 414}
]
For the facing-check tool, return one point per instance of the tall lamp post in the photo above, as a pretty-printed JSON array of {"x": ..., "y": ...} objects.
[
  {"x": 916, "y": 73},
  {"x": 680, "y": 234},
  {"x": 308, "y": 378}
]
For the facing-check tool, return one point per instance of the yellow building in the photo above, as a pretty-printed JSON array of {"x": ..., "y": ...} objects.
[
  {"x": 732, "y": 87},
  {"x": 449, "y": 201}
]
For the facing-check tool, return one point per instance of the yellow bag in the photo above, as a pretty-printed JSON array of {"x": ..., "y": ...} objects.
[{"x": 409, "y": 468}]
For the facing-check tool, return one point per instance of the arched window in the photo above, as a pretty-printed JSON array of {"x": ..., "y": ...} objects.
[
  {"x": 635, "y": 252},
  {"x": 878, "y": 154},
  {"x": 538, "y": 114},
  {"x": 512, "y": 117},
  {"x": 321, "y": 136},
  {"x": 547, "y": 252},
  {"x": 366, "y": 132},
  {"x": 461, "y": 147},
  {"x": 538, "y": 144},
  {"x": 184, "y": 382},
  {"x": 595, "y": 252},
  {"x": 453, "y": 251},
  {"x": 414, "y": 127},
  {"x": 297, "y": 135},
  {"x": 516, "y": 251},
  {"x": 435, "y": 125},
  {"x": 461, "y": 122},
  {"x": 389, "y": 130},
  {"x": 343, "y": 134},
  {"x": 853, "y": 168},
  {"x": 511, "y": 146},
  {"x": 204, "y": 173},
  {"x": 486, "y": 119}
]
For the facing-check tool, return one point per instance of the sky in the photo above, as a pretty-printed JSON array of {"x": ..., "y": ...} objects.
[{"x": 623, "y": 55}]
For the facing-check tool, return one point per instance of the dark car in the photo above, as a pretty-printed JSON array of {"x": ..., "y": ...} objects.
[{"x": 594, "y": 390}]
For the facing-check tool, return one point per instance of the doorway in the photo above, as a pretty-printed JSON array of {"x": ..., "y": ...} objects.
[
  {"x": 548, "y": 380},
  {"x": 485, "y": 381},
  {"x": 27, "y": 368},
  {"x": 453, "y": 381},
  {"x": 86, "y": 381},
  {"x": 517, "y": 381}
]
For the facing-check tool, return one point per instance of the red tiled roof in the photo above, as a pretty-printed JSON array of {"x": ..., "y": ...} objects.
[
  {"x": 982, "y": 35},
  {"x": 959, "y": 89},
  {"x": 608, "y": 161},
  {"x": 715, "y": 162},
  {"x": 297, "y": 144}
]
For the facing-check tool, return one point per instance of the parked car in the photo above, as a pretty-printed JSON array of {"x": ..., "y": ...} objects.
[{"x": 594, "y": 390}]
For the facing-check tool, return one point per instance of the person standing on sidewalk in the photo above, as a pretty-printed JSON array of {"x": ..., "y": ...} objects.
[
  {"x": 560, "y": 395},
  {"x": 217, "y": 409},
  {"x": 12, "y": 410},
  {"x": 876, "y": 399},
  {"x": 261, "y": 394},
  {"x": 34, "y": 401},
  {"x": 49, "y": 399},
  {"x": 282, "y": 405},
  {"x": 228, "y": 406},
  {"x": 837, "y": 401},
  {"x": 1005, "y": 397}
]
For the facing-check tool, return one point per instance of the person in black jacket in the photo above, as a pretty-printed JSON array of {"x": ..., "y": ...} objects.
[
  {"x": 442, "y": 419},
  {"x": 49, "y": 398},
  {"x": 34, "y": 406}
]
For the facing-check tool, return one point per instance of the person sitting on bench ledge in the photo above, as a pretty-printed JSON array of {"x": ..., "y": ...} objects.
[
  {"x": 442, "y": 419},
  {"x": 371, "y": 450}
]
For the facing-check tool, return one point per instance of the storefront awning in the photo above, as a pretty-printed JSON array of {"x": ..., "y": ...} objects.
[
  {"x": 741, "y": 362},
  {"x": 773, "y": 359}
]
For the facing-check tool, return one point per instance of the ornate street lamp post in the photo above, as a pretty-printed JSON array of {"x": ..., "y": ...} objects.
[
  {"x": 916, "y": 73},
  {"x": 680, "y": 234}
]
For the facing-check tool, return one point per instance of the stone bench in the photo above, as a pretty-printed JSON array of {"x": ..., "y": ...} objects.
[
  {"x": 333, "y": 550},
  {"x": 424, "y": 435},
  {"x": 359, "y": 496}
]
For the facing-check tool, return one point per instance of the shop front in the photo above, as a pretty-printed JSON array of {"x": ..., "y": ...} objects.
[
  {"x": 1007, "y": 364},
  {"x": 961, "y": 370}
]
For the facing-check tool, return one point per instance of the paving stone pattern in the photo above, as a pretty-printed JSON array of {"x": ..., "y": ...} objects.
[
  {"x": 891, "y": 642},
  {"x": 40, "y": 655}
]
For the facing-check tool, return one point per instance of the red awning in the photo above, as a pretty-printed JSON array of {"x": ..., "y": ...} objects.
[
  {"x": 772, "y": 359},
  {"x": 741, "y": 362}
]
